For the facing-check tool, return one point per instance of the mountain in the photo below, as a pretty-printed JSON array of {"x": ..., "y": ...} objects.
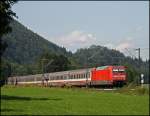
[
  {"x": 25, "y": 46},
  {"x": 99, "y": 55}
]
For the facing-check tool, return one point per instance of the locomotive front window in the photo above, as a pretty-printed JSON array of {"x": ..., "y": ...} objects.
[
  {"x": 118, "y": 71},
  {"x": 115, "y": 70}
]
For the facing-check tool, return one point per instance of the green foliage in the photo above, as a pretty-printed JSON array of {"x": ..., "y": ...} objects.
[
  {"x": 142, "y": 90},
  {"x": 6, "y": 15},
  {"x": 51, "y": 62},
  {"x": 97, "y": 56},
  {"x": 132, "y": 74},
  {"x": 25, "y": 46},
  {"x": 5, "y": 70}
]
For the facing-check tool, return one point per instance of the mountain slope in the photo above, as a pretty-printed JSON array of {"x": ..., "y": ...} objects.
[
  {"x": 98, "y": 55},
  {"x": 25, "y": 46}
]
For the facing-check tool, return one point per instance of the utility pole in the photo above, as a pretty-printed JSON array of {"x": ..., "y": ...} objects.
[
  {"x": 139, "y": 61},
  {"x": 45, "y": 71},
  {"x": 43, "y": 68},
  {"x": 138, "y": 55},
  {"x": 87, "y": 73}
]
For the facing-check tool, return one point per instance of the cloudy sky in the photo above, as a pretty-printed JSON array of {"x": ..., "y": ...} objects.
[{"x": 120, "y": 25}]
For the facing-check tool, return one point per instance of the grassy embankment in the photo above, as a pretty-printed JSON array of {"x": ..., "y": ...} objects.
[{"x": 63, "y": 101}]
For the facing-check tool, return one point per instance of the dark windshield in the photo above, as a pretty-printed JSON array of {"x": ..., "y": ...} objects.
[{"x": 118, "y": 71}]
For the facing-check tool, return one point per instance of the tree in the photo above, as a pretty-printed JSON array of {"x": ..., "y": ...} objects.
[
  {"x": 5, "y": 71},
  {"x": 57, "y": 62},
  {"x": 132, "y": 74},
  {"x": 6, "y": 15}
]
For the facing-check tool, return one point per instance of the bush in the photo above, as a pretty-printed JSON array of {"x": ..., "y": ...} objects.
[{"x": 142, "y": 90}]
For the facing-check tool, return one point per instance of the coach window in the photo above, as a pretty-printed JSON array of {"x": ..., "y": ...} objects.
[
  {"x": 75, "y": 76},
  {"x": 82, "y": 76},
  {"x": 61, "y": 77},
  {"x": 65, "y": 77},
  {"x": 70, "y": 76},
  {"x": 85, "y": 75}
]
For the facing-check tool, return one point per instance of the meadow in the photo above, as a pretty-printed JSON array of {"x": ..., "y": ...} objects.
[{"x": 35, "y": 100}]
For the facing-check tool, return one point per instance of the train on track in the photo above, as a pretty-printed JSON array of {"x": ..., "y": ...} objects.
[{"x": 104, "y": 75}]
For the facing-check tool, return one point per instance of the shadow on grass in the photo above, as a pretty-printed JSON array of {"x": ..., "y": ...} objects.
[
  {"x": 7, "y": 97},
  {"x": 10, "y": 110}
]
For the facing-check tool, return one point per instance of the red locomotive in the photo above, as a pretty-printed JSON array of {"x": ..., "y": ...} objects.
[
  {"x": 104, "y": 75},
  {"x": 109, "y": 75}
]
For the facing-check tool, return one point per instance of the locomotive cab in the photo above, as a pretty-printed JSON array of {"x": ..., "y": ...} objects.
[{"x": 119, "y": 75}]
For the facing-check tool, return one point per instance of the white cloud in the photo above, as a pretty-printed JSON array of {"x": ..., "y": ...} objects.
[
  {"x": 110, "y": 45},
  {"x": 121, "y": 47},
  {"x": 74, "y": 40},
  {"x": 125, "y": 43}
]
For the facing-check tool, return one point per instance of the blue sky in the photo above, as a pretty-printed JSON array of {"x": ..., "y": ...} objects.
[{"x": 79, "y": 24}]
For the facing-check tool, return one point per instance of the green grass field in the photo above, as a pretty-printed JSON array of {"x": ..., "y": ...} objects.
[{"x": 63, "y": 101}]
